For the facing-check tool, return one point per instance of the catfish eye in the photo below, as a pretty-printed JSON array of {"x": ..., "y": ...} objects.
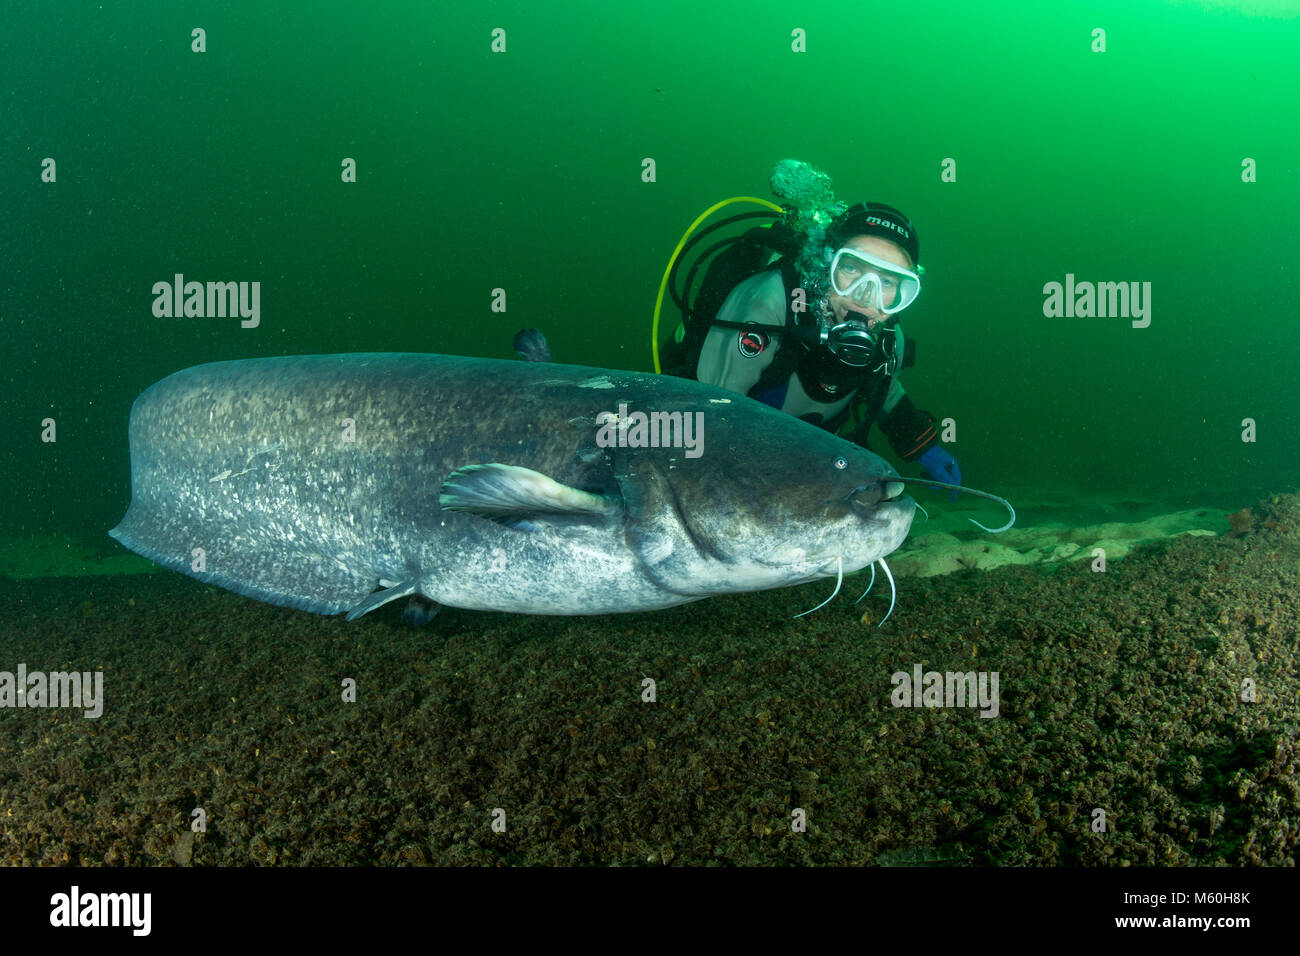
[{"x": 841, "y": 463}]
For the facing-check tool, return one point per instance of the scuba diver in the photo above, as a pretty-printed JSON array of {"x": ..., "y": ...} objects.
[{"x": 803, "y": 315}]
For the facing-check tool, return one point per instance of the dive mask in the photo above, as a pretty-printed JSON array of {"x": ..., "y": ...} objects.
[{"x": 873, "y": 282}]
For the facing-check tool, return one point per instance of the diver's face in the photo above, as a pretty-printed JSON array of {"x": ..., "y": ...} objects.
[{"x": 881, "y": 248}]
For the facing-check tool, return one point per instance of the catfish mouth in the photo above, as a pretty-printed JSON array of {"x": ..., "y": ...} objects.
[
  {"x": 865, "y": 499},
  {"x": 881, "y": 505}
]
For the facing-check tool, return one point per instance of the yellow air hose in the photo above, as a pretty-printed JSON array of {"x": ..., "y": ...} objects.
[{"x": 663, "y": 285}]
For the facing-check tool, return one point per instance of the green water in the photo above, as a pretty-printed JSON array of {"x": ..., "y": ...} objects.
[{"x": 522, "y": 170}]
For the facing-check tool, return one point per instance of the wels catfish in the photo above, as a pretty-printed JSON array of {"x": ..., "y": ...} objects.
[{"x": 338, "y": 483}]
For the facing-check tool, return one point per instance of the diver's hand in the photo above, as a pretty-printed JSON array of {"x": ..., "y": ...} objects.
[{"x": 941, "y": 466}]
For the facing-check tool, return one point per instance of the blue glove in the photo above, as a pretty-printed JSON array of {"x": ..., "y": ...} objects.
[{"x": 941, "y": 466}]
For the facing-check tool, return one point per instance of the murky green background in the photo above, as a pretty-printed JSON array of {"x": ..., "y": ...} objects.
[{"x": 522, "y": 170}]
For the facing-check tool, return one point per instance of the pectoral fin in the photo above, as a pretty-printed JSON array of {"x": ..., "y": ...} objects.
[
  {"x": 519, "y": 496},
  {"x": 380, "y": 598}
]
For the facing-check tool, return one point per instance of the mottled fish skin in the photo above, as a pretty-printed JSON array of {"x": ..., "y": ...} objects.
[{"x": 312, "y": 481}]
